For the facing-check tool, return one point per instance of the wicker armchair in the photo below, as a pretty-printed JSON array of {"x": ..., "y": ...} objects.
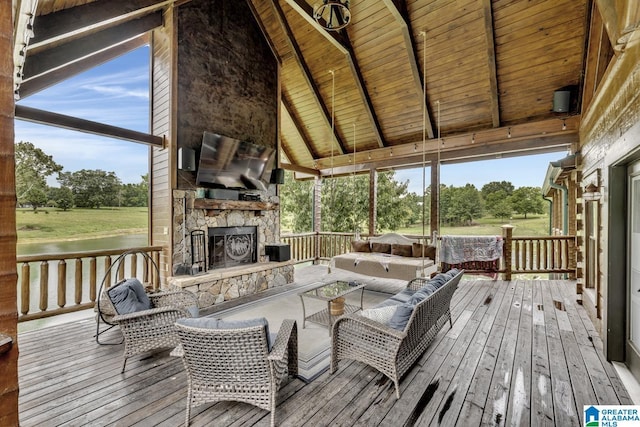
[
  {"x": 150, "y": 329},
  {"x": 236, "y": 364}
]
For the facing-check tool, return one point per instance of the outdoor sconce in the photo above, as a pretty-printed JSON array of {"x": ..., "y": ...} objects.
[{"x": 591, "y": 193}]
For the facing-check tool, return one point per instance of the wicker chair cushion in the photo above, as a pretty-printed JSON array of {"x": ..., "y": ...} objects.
[
  {"x": 401, "y": 316},
  {"x": 129, "y": 296},
  {"x": 380, "y": 315},
  {"x": 213, "y": 323}
]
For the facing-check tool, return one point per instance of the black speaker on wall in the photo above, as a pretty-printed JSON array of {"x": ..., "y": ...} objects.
[
  {"x": 561, "y": 101},
  {"x": 186, "y": 159},
  {"x": 277, "y": 176}
]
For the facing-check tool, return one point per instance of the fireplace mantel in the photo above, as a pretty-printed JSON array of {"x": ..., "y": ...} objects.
[{"x": 216, "y": 205}]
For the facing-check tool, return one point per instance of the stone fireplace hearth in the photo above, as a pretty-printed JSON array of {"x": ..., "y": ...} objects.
[{"x": 240, "y": 268}]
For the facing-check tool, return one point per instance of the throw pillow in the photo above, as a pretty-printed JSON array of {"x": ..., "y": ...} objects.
[
  {"x": 401, "y": 317},
  {"x": 439, "y": 280},
  {"x": 128, "y": 296},
  {"x": 422, "y": 294},
  {"x": 402, "y": 250},
  {"x": 360, "y": 246},
  {"x": 383, "y": 248},
  {"x": 380, "y": 315},
  {"x": 429, "y": 251}
]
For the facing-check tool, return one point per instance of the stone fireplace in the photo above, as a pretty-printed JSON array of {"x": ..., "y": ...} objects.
[
  {"x": 237, "y": 232},
  {"x": 231, "y": 246}
]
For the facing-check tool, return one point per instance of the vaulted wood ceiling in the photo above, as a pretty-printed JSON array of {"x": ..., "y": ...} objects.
[{"x": 485, "y": 70}]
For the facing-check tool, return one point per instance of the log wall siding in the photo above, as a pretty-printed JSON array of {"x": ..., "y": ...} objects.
[
  {"x": 228, "y": 79},
  {"x": 162, "y": 178},
  {"x": 610, "y": 135},
  {"x": 8, "y": 272}
]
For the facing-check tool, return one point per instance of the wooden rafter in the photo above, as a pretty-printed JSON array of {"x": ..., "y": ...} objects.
[
  {"x": 263, "y": 30},
  {"x": 491, "y": 62},
  {"x": 300, "y": 129},
  {"x": 301, "y": 169},
  {"x": 307, "y": 74},
  {"x": 396, "y": 8},
  {"x": 342, "y": 39},
  {"x": 75, "y": 50},
  {"x": 44, "y": 81},
  {"x": 69, "y": 22},
  {"x": 67, "y": 122}
]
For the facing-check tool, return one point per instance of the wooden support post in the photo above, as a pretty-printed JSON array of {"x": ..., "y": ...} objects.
[
  {"x": 507, "y": 234},
  {"x": 435, "y": 196},
  {"x": 317, "y": 217},
  {"x": 8, "y": 267},
  {"x": 373, "y": 200}
]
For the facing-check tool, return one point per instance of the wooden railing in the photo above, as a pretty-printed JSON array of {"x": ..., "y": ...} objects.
[
  {"x": 522, "y": 255},
  {"x": 47, "y": 287}
]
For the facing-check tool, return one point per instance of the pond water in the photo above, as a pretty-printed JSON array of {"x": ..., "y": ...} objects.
[{"x": 112, "y": 242}]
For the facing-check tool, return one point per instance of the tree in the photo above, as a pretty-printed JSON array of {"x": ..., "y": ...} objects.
[
  {"x": 394, "y": 209},
  {"x": 345, "y": 204},
  {"x": 460, "y": 205},
  {"x": 135, "y": 194},
  {"x": 498, "y": 204},
  {"x": 495, "y": 186},
  {"x": 296, "y": 202},
  {"x": 528, "y": 200},
  {"x": 92, "y": 188},
  {"x": 33, "y": 166},
  {"x": 62, "y": 197}
]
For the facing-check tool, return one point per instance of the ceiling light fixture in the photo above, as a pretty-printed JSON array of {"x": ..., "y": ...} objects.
[{"x": 332, "y": 15}]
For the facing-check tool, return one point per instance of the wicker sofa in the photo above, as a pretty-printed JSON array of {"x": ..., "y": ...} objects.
[
  {"x": 387, "y": 265},
  {"x": 383, "y": 343}
]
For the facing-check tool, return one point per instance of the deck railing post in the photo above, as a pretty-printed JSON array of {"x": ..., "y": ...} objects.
[{"x": 507, "y": 234}]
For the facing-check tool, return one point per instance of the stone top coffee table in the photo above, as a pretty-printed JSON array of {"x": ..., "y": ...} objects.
[{"x": 333, "y": 293}]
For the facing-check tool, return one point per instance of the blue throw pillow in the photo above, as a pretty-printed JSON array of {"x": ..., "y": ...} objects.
[
  {"x": 401, "y": 317},
  {"x": 129, "y": 296},
  {"x": 403, "y": 296},
  {"x": 439, "y": 280},
  {"x": 422, "y": 293}
]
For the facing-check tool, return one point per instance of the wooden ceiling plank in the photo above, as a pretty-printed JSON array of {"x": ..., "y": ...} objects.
[
  {"x": 67, "y": 22},
  {"x": 303, "y": 136},
  {"x": 59, "y": 56},
  {"x": 491, "y": 63},
  {"x": 44, "y": 81},
  {"x": 418, "y": 78},
  {"x": 67, "y": 122},
  {"x": 306, "y": 73}
]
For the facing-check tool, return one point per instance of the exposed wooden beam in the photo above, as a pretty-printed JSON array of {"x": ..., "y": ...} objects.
[
  {"x": 524, "y": 137},
  {"x": 315, "y": 92},
  {"x": 75, "y": 50},
  {"x": 303, "y": 136},
  {"x": 44, "y": 81},
  {"x": 491, "y": 62},
  {"x": 418, "y": 78},
  {"x": 67, "y": 122},
  {"x": 301, "y": 169},
  {"x": 287, "y": 153},
  {"x": 305, "y": 11},
  {"x": 72, "y": 21},
  {"x": 264, "y": 31}
]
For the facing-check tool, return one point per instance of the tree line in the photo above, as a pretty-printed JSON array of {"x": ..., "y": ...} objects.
[
  {"x": 86, "y": 188},
  {"x": 345, "y": 203}
]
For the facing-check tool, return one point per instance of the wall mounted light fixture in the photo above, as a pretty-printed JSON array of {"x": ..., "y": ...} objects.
[{"x": 591, "y": 193}]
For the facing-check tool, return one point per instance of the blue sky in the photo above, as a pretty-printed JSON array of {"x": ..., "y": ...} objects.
[{"x": 117, "y": 93}]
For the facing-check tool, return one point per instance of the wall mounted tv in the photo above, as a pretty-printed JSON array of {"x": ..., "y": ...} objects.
[{"x": 231, "y": 163}]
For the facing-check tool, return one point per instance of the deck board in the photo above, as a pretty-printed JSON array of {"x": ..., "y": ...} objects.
[{"x": 519, "y": 353}]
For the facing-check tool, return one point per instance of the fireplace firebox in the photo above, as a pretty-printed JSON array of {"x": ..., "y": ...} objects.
[{"x": 231, "y": 246}]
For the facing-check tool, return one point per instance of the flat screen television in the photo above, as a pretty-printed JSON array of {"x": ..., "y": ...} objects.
[{"x": 231, "y": 163}]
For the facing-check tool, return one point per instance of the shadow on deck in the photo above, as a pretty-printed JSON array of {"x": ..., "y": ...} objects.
[{"x": 520, "y": 352}]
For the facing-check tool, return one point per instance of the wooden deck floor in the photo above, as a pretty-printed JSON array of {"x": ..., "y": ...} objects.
[{"x": 519, "y": 353}]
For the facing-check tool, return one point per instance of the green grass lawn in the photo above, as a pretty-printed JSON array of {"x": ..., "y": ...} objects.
[
  {"x": 534, "y": 225},
  {"x": 50, "y": 224}
]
